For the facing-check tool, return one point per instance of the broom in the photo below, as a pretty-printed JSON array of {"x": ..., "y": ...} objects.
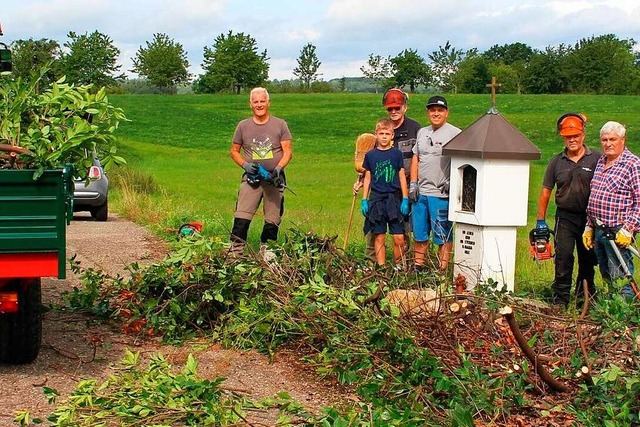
[{"x": 364, "y": 143}]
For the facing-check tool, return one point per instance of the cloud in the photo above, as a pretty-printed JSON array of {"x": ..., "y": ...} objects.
[{"x": 344, "y": 32}]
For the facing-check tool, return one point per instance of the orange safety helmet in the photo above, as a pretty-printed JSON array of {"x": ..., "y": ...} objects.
[{"x": 571, "y": 124}]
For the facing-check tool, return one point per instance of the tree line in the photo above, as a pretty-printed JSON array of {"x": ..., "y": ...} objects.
[{"x": 602, "y": 64}]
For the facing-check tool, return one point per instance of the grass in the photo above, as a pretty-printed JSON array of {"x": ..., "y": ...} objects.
[{"x": 183, "y": 142}]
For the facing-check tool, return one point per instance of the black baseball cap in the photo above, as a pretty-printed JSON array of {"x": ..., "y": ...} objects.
[{"x": 437, "y": 101}]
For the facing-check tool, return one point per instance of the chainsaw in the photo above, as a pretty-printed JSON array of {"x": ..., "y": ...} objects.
[
  {"x": 540, "y": 240},
  {"x": 278, "y": 182}
]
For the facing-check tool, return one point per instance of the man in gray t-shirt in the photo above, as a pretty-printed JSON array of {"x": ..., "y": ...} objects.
[{"x": 429, "y": 185}]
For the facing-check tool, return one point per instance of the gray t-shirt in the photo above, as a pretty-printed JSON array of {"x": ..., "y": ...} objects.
[
  {"x": 433, "y": 167},
  {"x": 262, "y": 142}
]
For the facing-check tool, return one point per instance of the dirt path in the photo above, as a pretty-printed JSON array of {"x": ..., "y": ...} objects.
[{"x": 75, "y": 346}]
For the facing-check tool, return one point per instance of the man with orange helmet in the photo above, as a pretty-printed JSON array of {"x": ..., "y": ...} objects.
[{"x": 570, "y": 172}]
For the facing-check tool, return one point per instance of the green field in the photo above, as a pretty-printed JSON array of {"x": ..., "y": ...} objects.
[{"x": 183, "y": 142}]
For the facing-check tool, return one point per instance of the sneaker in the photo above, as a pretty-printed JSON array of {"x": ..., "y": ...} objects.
[{"x": 267, "y": 254}]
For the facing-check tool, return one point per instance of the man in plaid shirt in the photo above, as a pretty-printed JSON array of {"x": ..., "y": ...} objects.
[{"x": 614, "y": 204}]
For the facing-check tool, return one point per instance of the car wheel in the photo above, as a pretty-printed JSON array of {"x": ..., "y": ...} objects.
[
  {"x": 102, "y": 212},
  {"x": 21, "y": 332}
]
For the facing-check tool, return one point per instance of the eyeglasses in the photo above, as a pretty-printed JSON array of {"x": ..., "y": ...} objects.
[{"x": 390, "y": 109}]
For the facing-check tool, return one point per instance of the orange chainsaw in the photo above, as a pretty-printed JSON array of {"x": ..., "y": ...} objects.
[{"x": 540, "y": 240}]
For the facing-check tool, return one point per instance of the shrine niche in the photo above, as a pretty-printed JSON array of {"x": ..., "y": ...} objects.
[
  {"x": 469, "y": 185},
  {"x": 488, "y": 196}
]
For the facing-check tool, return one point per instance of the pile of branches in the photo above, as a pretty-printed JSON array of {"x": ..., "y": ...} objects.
[{"x": 470, "y": 357}]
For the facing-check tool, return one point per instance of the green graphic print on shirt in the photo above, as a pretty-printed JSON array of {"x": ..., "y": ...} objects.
[{"x": 384, "y": 172}]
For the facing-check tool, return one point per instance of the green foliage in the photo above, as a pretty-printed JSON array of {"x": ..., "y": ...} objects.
[
  {"x": 163, "y": 62},
  {"x": 29, "y": 55},
  {"x": 155, "y": 396},
  {"x": 59, "y": 125},
  {"x": 612, "y": 399},
  {"x": 547, "y": 72},
  {"x": 308, "y": 65},
  {"x": 175, "y": 298},
  {"x": 378, "y": 69},
  {"x": 445, "y": 63},
  {"x": 331, "y": 307},
  {"x": 232, "y": 64},
  {"x": 602, "y": 65},
  {"x": 473, "y": 74},
  {"x": 410, "y": 69},
  {"x": 92, "y": 59}
]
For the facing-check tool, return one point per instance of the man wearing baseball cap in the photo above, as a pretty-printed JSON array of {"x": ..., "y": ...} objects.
[
  {"x": 570, "y": 172},
  {"x": 429, "y": 186}
]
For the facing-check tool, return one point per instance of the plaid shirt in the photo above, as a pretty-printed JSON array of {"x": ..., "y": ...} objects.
[{"x": 615, "y": 193}]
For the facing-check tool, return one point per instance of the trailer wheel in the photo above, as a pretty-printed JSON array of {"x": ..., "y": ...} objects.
[{"x": 21, "y": 332}]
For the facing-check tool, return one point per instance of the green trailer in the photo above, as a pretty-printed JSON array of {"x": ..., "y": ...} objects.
[{"x": 34, "y": 214}]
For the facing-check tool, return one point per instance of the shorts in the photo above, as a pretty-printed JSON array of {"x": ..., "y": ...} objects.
[
  {"x": 249, "y": 199},
  {"x": 396, "y": 226},
  {"x": 431, "y": 214},
  {"x": 384, "y": 213}
]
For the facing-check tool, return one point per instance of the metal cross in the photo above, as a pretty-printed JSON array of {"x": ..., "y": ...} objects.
[{"x": 493, "y": 85}]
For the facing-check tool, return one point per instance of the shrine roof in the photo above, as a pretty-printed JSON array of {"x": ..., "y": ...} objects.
[{"x": 492, "y": 137}]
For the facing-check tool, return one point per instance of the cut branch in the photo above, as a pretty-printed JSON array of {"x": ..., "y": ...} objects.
[{"x": 507, "y": 313}]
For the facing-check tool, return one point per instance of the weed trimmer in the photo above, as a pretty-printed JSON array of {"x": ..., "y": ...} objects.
[
  {"x": 611, "y": 237},
  {"x": 364, "y": 143}
]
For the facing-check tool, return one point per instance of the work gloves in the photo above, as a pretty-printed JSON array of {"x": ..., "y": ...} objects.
[
  {"x": 413, "y": 191},
  {"x": 587, "y": 237},
  {"x": 250, "y": 168},
  {"x": 275, "y": 175},
  {"x": 263, "y": 173},
  {"x": 364, "y": 207},
  {"x": 404, "y": 206},
  {"x": 541, "y": 223},
  {"x": 623, "y": 238}
]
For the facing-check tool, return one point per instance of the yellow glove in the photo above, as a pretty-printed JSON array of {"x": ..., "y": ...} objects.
[
  {"x": 587, "y": 237},
  {"x": 623, "y": 238}
]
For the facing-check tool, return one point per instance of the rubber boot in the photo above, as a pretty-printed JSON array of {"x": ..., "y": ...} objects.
[{"x": 238, "y": 237}]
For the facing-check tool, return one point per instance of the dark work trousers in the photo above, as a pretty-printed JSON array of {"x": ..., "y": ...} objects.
[{"x": 568, "y": 235}]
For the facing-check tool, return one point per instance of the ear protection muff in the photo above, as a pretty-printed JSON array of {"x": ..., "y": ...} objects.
[
  {"x": 405, "y": 98},
  {"x": 581, "y": 117}
]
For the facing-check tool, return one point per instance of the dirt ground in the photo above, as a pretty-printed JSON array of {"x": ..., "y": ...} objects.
[{"x": 75, "y": 346}]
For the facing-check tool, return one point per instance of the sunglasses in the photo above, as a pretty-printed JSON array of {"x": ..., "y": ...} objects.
[{"x": 390, "y": 109}]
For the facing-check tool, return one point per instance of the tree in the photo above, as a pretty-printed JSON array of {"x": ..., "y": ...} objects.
[
  {"x": 509, "y": 53},
  {"x": 91, "y": 59},
  {"x": 546, "y": 71},
  {"x": 29, "y": 55},
  {"x": 602, "y": 64},
  {"x": 512, "y": 58},
  {"x": 163, "y": 62},
  {"x": 308, "y": 65},
  {"x": 473, "y": 74},
  {"x": 410, "y": 69},
  {"x": 233, "y": 63},
  {"x": 377, "y": 69},
  {"x": 445, "y": 64}
]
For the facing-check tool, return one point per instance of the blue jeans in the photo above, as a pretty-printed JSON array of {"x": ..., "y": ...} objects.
[{"x": 609, "y": 264}]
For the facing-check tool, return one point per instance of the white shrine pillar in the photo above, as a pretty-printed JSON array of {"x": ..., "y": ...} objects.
[{"x": 488, "y": 198}]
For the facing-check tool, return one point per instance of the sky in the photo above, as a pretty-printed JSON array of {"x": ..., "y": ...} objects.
[{"x": 344, "y": 32}]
